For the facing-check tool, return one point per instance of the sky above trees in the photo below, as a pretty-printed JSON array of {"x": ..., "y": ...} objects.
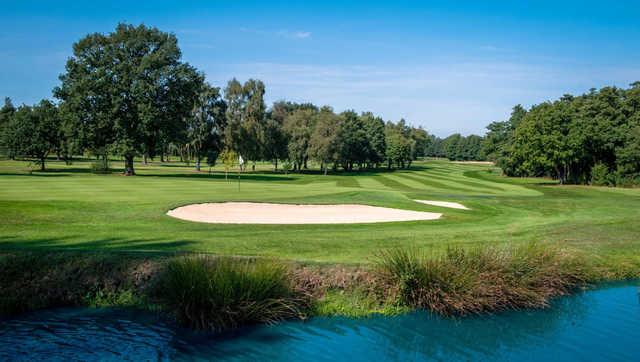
[{"x": 448, "y": 67}]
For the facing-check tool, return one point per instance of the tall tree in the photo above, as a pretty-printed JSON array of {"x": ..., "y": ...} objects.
[
  {"x": 299, "y": 125},
  {"x": 205, "y": 125},
  {"x": 400, "y": 146},
  {"x": 374, "y": 129},
  {"x": 274, "y": 141},
  {"x": 6, "y": 114},
  {"x": 246, "y": 117},
  {"x": 544, "y": 143},
  {"x": 123, "y": 89},
  {"x": 352, "y": 140},
  {"x": 34, "y": 131},
  {"x": 323, "y": 144}
]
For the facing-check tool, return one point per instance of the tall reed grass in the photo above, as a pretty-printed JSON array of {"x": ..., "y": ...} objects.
[
  {"x": 211, "y": 293},
  {"x": 461, "y": 281}
]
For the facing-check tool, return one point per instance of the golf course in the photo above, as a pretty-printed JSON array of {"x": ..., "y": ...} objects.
[{"x": 68, "y": 208}]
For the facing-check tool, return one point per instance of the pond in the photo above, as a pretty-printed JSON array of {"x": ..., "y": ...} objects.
[{"x": 601, "y": 324}]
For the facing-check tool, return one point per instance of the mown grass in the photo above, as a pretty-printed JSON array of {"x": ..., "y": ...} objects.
[{"x": 69, "y": 208}]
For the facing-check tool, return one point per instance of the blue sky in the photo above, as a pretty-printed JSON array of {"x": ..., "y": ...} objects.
[{"x": 448, "y": 66}]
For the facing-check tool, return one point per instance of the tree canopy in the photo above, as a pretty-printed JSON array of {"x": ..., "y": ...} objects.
[
  {"x": 127, "y": 93},
  {"x": 575, "y": 139},
  {"x": 125, "y": 90}
]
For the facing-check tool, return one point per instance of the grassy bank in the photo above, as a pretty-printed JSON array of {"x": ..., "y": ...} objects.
[
  {"x": 71, "y": 237},
  {"x": 220, "y": 293}
]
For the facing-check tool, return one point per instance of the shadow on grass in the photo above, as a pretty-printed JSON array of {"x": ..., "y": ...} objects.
[
  {"x": 151, "y": 245},
  {"x": 221, "y": 176}
]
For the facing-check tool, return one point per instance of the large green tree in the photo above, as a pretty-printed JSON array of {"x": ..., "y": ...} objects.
[
  {"x": 126, "y": 90},
  {"x": 205, "y": 125},
  {"x": 6, "y": 114},
  {"x": 299, "y": 126},
  {"x": 323, "y": 144},
  {"x": 374, "y": 129},
  {"x": 34, "y": 131},
  {"x": 354, "y": 147},
  {"x": 246, "y": 116}
]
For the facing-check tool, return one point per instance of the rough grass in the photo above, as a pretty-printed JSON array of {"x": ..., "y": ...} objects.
[
  {"x": 218, "y": 293},
  {"x": 211, "y": 293},
  {"x": 31, "y": 281},
  {"x": 470, "y": 281}
]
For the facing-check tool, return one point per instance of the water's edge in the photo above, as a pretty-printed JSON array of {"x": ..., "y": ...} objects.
[{"x": 596, "y": 324}]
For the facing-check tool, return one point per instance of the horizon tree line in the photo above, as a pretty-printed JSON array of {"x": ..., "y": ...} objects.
[{"x": 128, "y": 93}]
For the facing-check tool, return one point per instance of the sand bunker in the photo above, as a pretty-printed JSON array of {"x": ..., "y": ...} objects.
[
  {"x": 263, "y": 213},
  {"x": 474, "y": 162},
  {"x": 453, "y": 205}
]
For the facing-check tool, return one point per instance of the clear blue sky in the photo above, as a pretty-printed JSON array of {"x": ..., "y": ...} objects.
[{"x": 448, "y": 66}]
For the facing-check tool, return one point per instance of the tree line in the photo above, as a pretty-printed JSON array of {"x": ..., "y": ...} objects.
[
  {"x": 593, "y": 138},
  {"x": 128, "y": 93}
]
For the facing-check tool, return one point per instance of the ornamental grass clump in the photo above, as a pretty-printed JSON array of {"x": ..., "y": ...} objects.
[
  {"x": 461, "y": 281},
  {"x": 210, "y": 293}
]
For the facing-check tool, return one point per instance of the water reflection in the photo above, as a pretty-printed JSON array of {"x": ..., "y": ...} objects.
[{"x": 597, "y": 325}]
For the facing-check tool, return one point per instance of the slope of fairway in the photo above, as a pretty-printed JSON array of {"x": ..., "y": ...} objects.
[{"x": 70, "y": 208}]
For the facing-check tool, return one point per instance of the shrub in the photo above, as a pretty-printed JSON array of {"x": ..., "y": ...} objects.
[
  {"x": 462, "y": 281},
  {"x": 222, "y": 293},
  {"x": 600, "y": 175}
]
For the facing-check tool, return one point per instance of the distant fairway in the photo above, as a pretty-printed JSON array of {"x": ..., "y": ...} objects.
[{"x": 70, "y": 208}]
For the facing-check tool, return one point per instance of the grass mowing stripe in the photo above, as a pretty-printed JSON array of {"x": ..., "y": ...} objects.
[{"x": 76, "y": 210}]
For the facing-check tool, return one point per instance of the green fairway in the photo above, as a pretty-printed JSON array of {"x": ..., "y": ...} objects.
[{"x": 70, "y": 208}]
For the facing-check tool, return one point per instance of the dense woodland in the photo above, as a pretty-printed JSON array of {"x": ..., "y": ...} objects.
[
  {"x": 128, "y": 94},
  {"x": 593, "y": 138}
]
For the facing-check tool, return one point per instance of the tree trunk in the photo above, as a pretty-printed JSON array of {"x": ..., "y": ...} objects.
[
  {"x": 128, "y": 165},
  {"x": 42, "y": 163},
  {"x": 144, "y": 159},
  {"x": 276, "y": 164}
]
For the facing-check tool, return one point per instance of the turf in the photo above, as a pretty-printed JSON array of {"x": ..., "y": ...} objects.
[{"x": 70, "y": 208}]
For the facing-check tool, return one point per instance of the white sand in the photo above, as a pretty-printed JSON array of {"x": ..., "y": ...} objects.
[
  {"x": 263, "y": 213},
  {"x": 453, "y": 205}
]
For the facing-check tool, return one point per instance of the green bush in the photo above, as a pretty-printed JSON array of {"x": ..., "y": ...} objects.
[
  {"x": 222, "y": 293},
  {"x": 485, "y": 279},
  {"x": 600, "y": 175}
]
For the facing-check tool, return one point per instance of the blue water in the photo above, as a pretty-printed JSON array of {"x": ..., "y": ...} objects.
[{"x": 598, "y": 325}]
